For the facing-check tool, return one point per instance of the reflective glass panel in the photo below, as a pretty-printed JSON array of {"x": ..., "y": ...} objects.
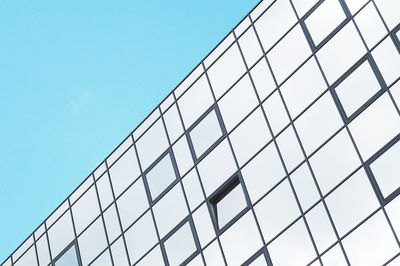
[
  {"x": 92, "y": 242},
  {"x": 160, "y": 176},
  {"x": 69, "y": 258},
  {"x": 387, "y": 57},
  {"x": 230, "y": 205}
]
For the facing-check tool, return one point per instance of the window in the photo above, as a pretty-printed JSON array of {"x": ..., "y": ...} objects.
[
  {"x": 173, "y": 123},
  {"x": 276, "y": 113},
  {"x": 262, "y": 79},
  {"x": 160, "y": 176},
  {"x": 228, "y": 202},
  {"x": 205, "y": 133},
  {"x": 250, "y": 47},
  {"x": 389, "y": 9},
  {"x": 387, "y": 58},
  {"x": 68, "y": 258}
]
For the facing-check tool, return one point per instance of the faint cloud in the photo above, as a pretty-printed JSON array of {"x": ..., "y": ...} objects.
[{"x": 80, "y": 102}]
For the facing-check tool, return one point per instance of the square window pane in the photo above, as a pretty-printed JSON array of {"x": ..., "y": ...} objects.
[
  {"x": 124, "y": 171},
  {"x": 69, "y": 258},
  {"x": 372, "y": 243},
  {"x": 388, "y": 9},
  {"x": 293, "y": 247},
  {"x": 128, "y": 211},
  {"x": 217, "y": 167},
  {"x": 262, "y": 79},
  {"x": 85, "y": 210},
  {"x": 276, "y": 113},
  {"x": 303, "y": 87},
  {"x": 387, "y": 58},
  {"x": 152, "y": 258},
  {"x": 370, "y": 25},
  {"x": 170, "y": 210},
  {"x": 61, "y": 234},
  {"x": 250, "y": 47},
  {"x": 348, "y": 208},
  {"x": 263, "y": 172},
  {"x": 386, "y": 171},
  {"x": 275, "y": 22},
  {"x": 205, "y": 133},
  {"x": 322, "y": 21},
  {"x": 112, "y": 223},
  {"x": 374, "y": 127},
  {"x": 277, "y": 210},
  {"x": 180, "y": 245},
  {"x": 304, "y": 186},
  {"x": 183, "y": 157},
  {"x": 204, "y": 225},
  {"x": 226, "y": 71},
  {"x": 334, "y": 257},
  {"x": 289, "y": 53},
  {"x": 320, "y": 227},
  {"x": 43, "y": 250},
  {"x": 160, "y": 176},
  {"x": 237, "y": 103},
  {"x": 192, "y": 187},
  {"x": 241, "y": 240},
  {"x": 290, "y": 148},
  {"x": 250, "y": 136},
  {"x": 195, "y": 101},
  {"x": 341, "y": 52},
  {"x": 318, "y": 123},
  {"x": 92, "y": 242},
  {"x": 357, "y": 88},
  {"x": 173, "y": 123},
  {"x": 152, "y": 144},
  {"x": 140, "y": 237},
  {"x": 334, "y": 161}
]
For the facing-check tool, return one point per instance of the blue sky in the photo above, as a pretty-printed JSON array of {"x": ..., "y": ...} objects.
[{"x": 76, "y": 77}]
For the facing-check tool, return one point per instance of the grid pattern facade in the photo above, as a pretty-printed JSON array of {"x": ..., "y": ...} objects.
[{"x": 281, "y": 147}]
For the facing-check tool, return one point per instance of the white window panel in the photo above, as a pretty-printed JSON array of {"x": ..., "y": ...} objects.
[
  {"x": 321, "y": 228},
  {"x": 85, "y": 210},
  {"x": 304, "y": 186},
  {"x": 372, "y": 243},
  {"x": 154, "y": 257},
  {"x": 111, "y": 221},
  {"x": 290, "y": 148},
  {"x": 293, "y": 247},
  {"x": 374, "y": 127},
  {"x": 43, "y": 250},
  {"x": 92, "y": 242},
  {"x": 152, "y": 144},
  {"x": 250, "y": 136},
  {"x": 230, "y": 205},
  {"x": 250, "y": 47},
  {"x": 324, "y": 20},
  {"x": 141, "y": 237},
  {"x": 303, "y": 6},
  {"x": 385, "y": 170},
  {"x": 341, "y": 52},
  {"x": 170, "y": 210},
  {"x": 195, "y": 101},
  {"x": 160, "y": 176},
  {"x": 217, "y": 167},
  {"x": 204, "y": 225},
  {"x": 277, "y": 210},
  {"x": 303, "y": 87},
  {"x": 237, "y": 103},
  {"x": 173, "y": 123},
  {"x": 348, "y": 208},
  {"x": 275, "y": 22},
  {"x": 334, "y": 161},
  {"x": 276, "y": 113},
  {"x": 192, "y": 187},
  {"x": 130, "y": 212},
  {"x": 124, "y": 171},
  {"x": 357, "y": 88},
  {"x": 213, "y": 255},
  {"x": 28, "y": 259},
  {"x": 118, "y": 252},
  {"x": 61, "y": 234},
  {"x": 263, "y": 172},
  {"x": 334, "y": 257},
  {"x": 262, "y": 79},
  {"x": 226, "y": 71},
  {"x": 241, "y": 240},
  {"x": 103, "y": 260},
  {"x": 180, "y": 245},
  {"x": 370, "y": 25},
  {"x": 104, "y": 189},
  {"x": 387, "y": 58},
  {"x": 318, "y": 123},
  {"x": 289, "y": 53},
  {"x": 389, "y": 10},
  {"x": 205, "y": 133},
  {"x": 183, "y": 157}
]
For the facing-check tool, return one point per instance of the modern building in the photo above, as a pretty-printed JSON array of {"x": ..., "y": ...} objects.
[{"x": 282, "y": 147}]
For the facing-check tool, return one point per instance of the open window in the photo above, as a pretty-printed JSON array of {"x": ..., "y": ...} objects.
[{"x": 69, "y": 257}]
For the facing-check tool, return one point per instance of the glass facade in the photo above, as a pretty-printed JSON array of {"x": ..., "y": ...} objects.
[{"x": 281, "y": 147}]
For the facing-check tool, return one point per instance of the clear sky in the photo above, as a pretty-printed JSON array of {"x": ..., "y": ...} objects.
[{"x": 76, "y": 77}]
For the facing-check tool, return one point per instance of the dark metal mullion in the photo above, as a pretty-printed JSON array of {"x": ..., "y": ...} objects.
[
  {"x": 48, "y": 242},
  {"x": 75, "y": 234},
  {"x": 210, "y": 210},
  {"x": 177, "y": 175},
  {"x": 107, "y": 172},
  {"x": 36, "y": 251}
]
